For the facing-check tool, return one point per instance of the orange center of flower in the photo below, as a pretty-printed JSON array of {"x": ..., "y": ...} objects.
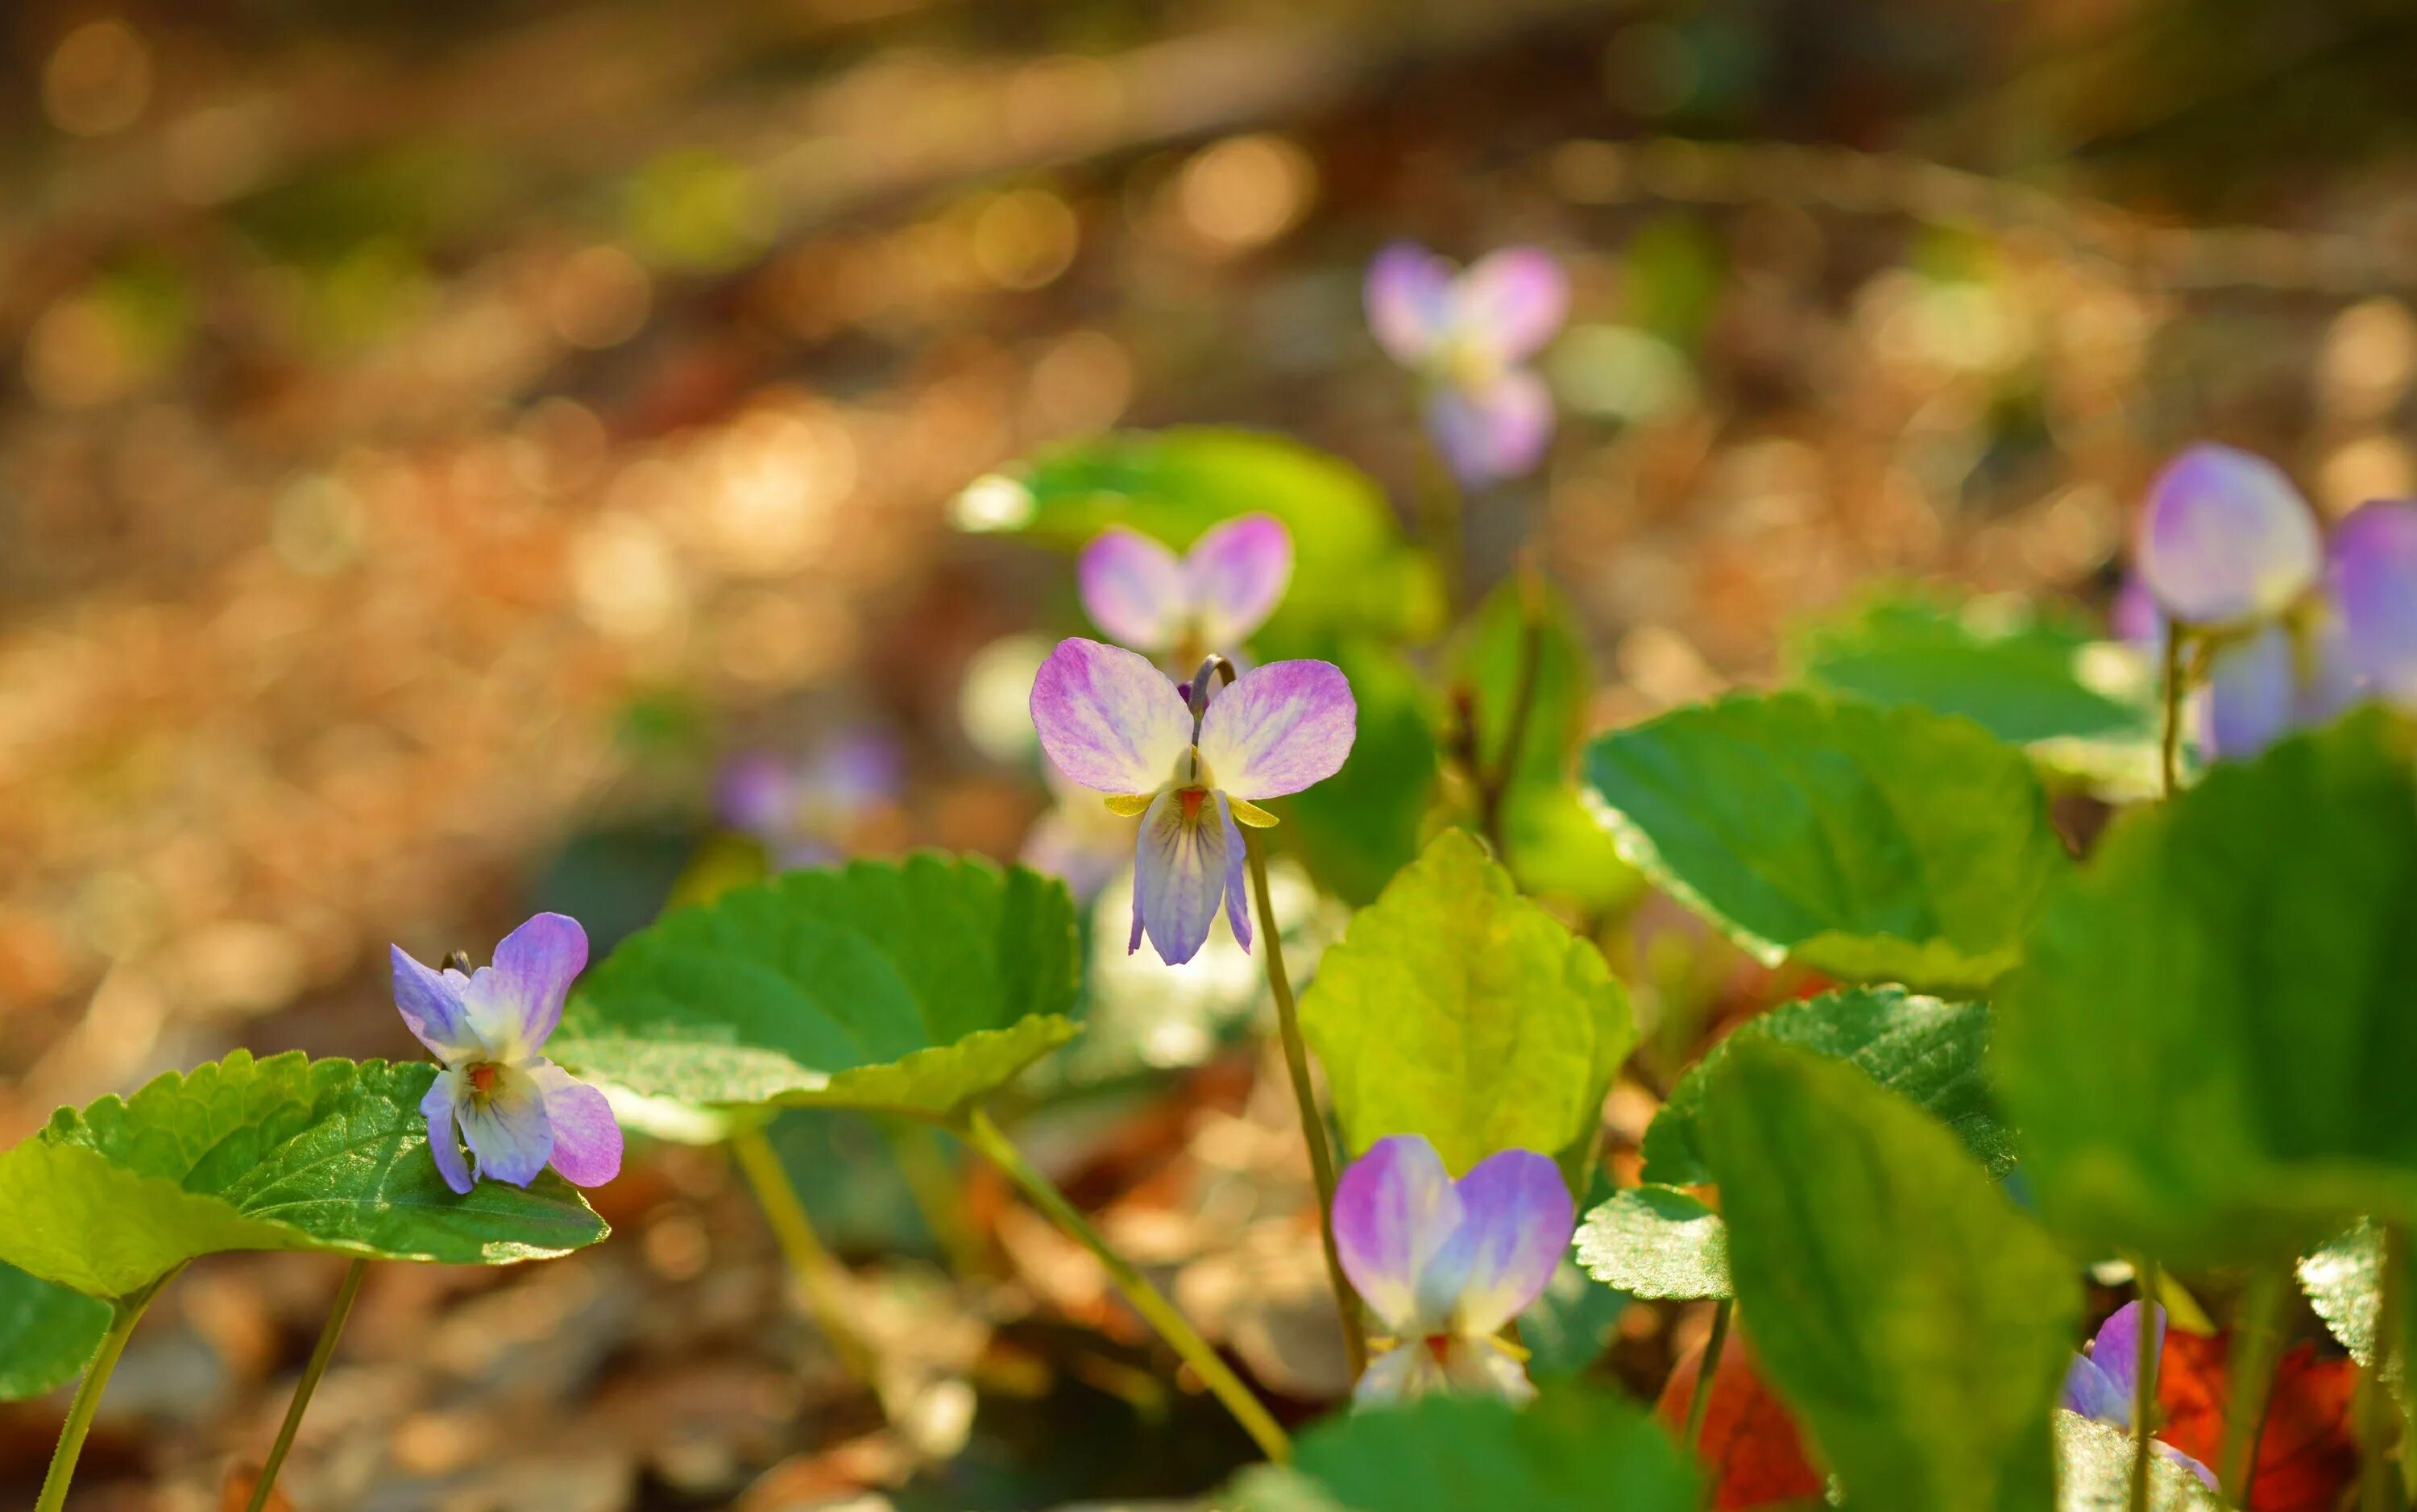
[
  {"x": 1439, "y": 1345},
  {"x": 1192, "y": 798},
  {"x": 482, "y": 1078}
]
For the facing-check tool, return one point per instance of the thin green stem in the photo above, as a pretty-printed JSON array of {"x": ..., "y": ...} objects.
[
  {"x": 2170, "y": 754},
  {"x": 1494, "y": 781},
  {"x": 2377, "y": 1424},
  {"x": 978, "y": 1130},
  {"x": 124, "y": 1314},
  {"x": 2144, "y": 1386},
  {"x": 818, "y": 1271},
  {"x": 321, "y": 1353},
  {"x": 924, "y": 1162},
  {"x": 1440, "y": 509},
  {"x": 1304, "y": 1096},
  {"x": 2257, "y": 1342},
  {"x": 1701, "y": 1399}
]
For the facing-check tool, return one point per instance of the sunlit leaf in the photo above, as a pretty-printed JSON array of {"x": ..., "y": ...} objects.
[
  {"x": 911, "y": 987},
  {"x": 1656, "y": 1241},
  {"x": 281, "y": 1154},
  {"x": 2094, "y": 1471},
  {"x": 1919, "y": 1324},
  {"x": 1458, "y": 1009},
  {"x": 1870, "y": 844},
  {"x": 47, "y": 1333}
]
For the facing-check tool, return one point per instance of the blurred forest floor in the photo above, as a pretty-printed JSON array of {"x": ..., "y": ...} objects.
[{"x": 435, "y": 441}]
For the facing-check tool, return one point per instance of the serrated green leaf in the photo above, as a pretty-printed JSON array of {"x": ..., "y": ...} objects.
[
  {"x": 281, "y": 1154},
  {"x": 1360, "y": 827},
  {"x": 1572, "y": 1450},
  {"x": 1927, "y": 1051},
  {"x": 1656, "y": 1241},
  {"x": 2207, "y": 1051},
  {"x": 1351, "y": 570},
  {"x": 2343, "y": 1282},
  {"x": 913, "y": 988},
  {"x": 2093, "y": 1462},
  {"x": 1919, "y": 1324},
  {"x": 47, "y": 1333},
  {"x": 1458, "y": 1009},
  {"x": 1875, "y": 845}
]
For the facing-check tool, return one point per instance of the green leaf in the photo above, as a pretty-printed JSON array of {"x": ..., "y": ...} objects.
[
  {"x": 1455, "y": 1009},
  {"x": 1656, "y": 1241},
  {"x": 1569, "y": 1327},
  {"x": 2019, "y": 672},
  {"x": 1351, "y": 570},
  {"x": 47, "y": 1333},
  {"x": 1926, "y": 1049},
  {"x": 1572, "y": 1450},
  {"x": 2343, "y": 1282},
  {"x": 2094, "y": 1471},
  {"x": 1550, "y": 841},
  {"x": 912, "y": 987},
  {"x": 1875, "y": 845},
  {"x": 1918, "y": 1321},
  {"x": 1360, "y": 827},
  {"x": 281, "y": 1154},
  {"x": 2207, "y": 1051}
]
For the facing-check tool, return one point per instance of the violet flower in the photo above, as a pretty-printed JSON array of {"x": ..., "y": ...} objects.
[
  {"x": 801, "y": 810},
  {"x": 1209, "y": 599},
  {"x": 2225, "y": 538},
  {"x": 1467, "y": 334},
  {"x": 2103, "y": 1382},
  {"x": 1116, "y": 724},
  {"x": 519, "y": 1111},
  {"x": 1445, "y": 1264}
]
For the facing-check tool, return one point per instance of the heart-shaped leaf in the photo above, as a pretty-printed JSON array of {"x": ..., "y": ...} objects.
[
  {"x": 1875, "y": 845},
  {"x": 47, "y": 1333},
  {"x": 1458, "y": 1009},
  {"x": 1656, "y": 1241},
  {"x": 913, "y": 988},
  {"x": 2208, "y": 1050},
  {"x": 283, "y": 1153},
  {"x": 1571, "y": 1450},
  {"x": 1927, "y": 1051},
  {"x": 1919, "y": 1324}
]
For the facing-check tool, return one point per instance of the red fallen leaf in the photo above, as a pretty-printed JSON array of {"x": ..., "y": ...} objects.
[
  {"x": 2307, "y": 1454},
  {"x": 1749, "y": 1439}
]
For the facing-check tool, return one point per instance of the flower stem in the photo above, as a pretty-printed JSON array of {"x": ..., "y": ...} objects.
[
  {"x": 1304, "y": 1096},
  {"x": 978, "y": 1130},
  {"x": 320, "y": 1354},
  {"x": 2169, "y": 752},
  {"x": 2256, "y": 1340},
  {"x": 1493, "y": 780},
  {"x": 923, "y": 1162},
  {"x": 1700, "y": 1400},
  {"x": 2376, "y": 1414},
  {"x": 124, "y": 1314},
  {"x": 1440, "y": 508},
  {"x": 818, "y": 1271},
  {"x": 2144, "y": 1386}
]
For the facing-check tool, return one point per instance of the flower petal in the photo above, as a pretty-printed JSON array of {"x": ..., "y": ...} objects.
[
  {"x": 757, "y": 796},
  {"x": 1179, "y": 875},
  {"x": 2375, "y": 585},
  {"x": 1495, "y": 433},
  {"x": 1109, "y": 718},
  {"x": 2262, "y": 689},
  {"x": 1279, "y": 729},
  {"x": 2116, "y": 1350},
  {"x": 432, "y": 1008},
  {"x": 1512, "y": 300},
  {"x": 587, "y": 1137},
  {"x": 1134, "y": 589},
  {"x": 507, "y": 1128},
  {"x": 2206, "y": 1476},
  {"x": 1409, "y": 300},
  {"x": 1395, "y": 1212},
  {"x": 2135, "y": 617},
  {"x": 2088, "y": 1390},
  {"x": 1475, "y": 1367},
  {"x": 2224, "y": 536},
  {"x": 1238, "y": 573},
  {"x": 1237, "y": 864},
  {"x": 1406, "y": 1372},
  {"x": 443, "y": 1141},
  {"x": 516, "y": 1004},
  {"x": 1519, "y": 1218}
]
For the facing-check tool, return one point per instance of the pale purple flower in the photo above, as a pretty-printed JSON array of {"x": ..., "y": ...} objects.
[
  {"x": 1444, "y": 1265},
  {"x": 2226, "y": 538},
  {"x": 1116, "y": 724},
  {"x": 1466, "y": 335},
  {"x": 519, "y": 1111},
  {"x": 2102, "y": 1383},
  {"x": 1211, "y": 599},
  {"x": 801, "y": 810},
  {"x": 2373, "y": 579}
]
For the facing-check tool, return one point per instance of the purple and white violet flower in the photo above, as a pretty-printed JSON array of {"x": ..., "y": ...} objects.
[
  {"x": 1445, "y": 1264},
  {"x": 2102, "y": 1382},
  {"x": 2295, "y": 629},
  {"x": 1467, "y": 334},
  {"x": 1143, "y": 596},
  {"x": 1191, "y": 769},
  {"x": 802, "y": 812},
  {"x": 519, "y": 1111}
]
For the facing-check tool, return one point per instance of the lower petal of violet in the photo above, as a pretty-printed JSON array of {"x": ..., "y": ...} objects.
[
  {"x": 1238, "y": 902},
  {"x": 1178, "y": 875},
  {"x": 507, "y": 1128}
]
